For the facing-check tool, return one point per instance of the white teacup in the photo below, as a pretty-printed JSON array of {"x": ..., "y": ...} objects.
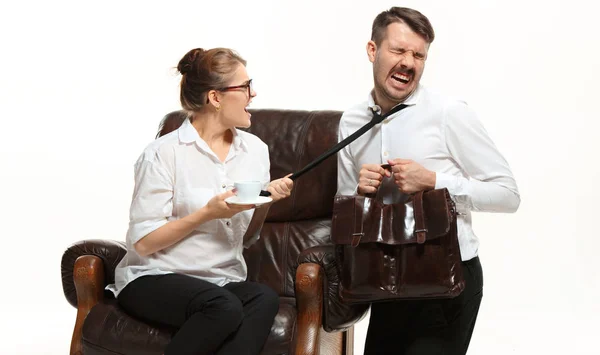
[{"x": 247, "y": 190}]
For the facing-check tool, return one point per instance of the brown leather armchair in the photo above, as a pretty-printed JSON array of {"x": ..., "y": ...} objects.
[{"x": 293, "y": 255}]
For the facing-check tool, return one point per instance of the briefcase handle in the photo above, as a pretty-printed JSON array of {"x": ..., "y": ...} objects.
[{"x": 419, "y": 213}]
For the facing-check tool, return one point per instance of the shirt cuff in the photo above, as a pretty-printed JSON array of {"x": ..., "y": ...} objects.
[
  {"x": 457, "y": 187},
  {"x": 445, "y": 181}
]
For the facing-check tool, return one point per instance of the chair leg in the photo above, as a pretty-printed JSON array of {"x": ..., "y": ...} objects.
[
  {"x": 309, "y": 298},
  {"x": 88, "y": 276}
]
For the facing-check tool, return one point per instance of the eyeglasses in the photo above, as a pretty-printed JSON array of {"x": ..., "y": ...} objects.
[{"x": 247, "y": 86}]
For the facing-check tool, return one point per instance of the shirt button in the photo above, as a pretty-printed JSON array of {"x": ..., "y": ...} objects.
[
  {"x": 223, "y": 186},
  {"x": 228, "y": 223}
]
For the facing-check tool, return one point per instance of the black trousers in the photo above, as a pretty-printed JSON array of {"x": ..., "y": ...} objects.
[
  {"x": 233, "y": 319},
  {"x": 429, "y": 327}
]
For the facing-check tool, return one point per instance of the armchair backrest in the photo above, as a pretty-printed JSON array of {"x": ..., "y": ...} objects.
[{"x": 295, "y": 138}]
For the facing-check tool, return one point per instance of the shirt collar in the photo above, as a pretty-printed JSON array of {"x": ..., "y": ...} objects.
[
  {"x": 188, "y": 134},
  {"x": 238, "y": 141},
  {"x": 411, "y": 100}
]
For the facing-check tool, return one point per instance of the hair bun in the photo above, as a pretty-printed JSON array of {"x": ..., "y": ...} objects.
[{"x": 187, "y": 63}]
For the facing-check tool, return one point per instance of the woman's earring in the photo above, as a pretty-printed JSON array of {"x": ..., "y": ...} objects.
[{"x": 217, "y": 108}]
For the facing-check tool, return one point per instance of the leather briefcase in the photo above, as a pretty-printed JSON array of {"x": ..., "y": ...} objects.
[{"x": 380, "y": 258}]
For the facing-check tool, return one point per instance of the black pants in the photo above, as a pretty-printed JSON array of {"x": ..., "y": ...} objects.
[
  {"x": 233, "y": 319},
  {"x": 430, "y": 327}
]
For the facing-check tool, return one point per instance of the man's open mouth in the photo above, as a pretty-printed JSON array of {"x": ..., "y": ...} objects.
[{"x": 404, "y": 78}]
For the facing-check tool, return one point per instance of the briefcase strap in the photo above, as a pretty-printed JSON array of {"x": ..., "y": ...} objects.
[
  {"x": 358, "y": 222},
  {"x": 419, "y": 215}
]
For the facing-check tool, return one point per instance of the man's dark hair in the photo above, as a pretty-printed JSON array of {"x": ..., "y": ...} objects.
[{"x": 412, "y": 18}]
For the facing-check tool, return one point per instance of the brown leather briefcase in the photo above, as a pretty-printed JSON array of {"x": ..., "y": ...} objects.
[{"x": 379, "y": 258}]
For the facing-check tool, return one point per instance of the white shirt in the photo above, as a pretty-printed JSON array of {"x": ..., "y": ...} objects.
[
  {"x": 444, "y": 136},
  {"x": 176, "y": 175}
]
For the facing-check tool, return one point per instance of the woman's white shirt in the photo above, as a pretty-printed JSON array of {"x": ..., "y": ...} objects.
[{"x": 176, "y": 175}]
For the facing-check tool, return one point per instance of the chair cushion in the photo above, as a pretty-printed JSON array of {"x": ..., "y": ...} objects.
[
  {"x": 109, "y": 330},
  {"x": 273, "y": 259}
]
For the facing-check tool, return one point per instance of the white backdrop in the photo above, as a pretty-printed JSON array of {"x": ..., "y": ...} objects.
[{"x": 83, "y": 86}]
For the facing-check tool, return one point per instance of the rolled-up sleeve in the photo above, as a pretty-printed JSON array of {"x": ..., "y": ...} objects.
[
  {"x": 490, "y": 185},
  {"x": 152, "y": 202}
]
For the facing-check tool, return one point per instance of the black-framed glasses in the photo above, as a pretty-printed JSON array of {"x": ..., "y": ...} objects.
[{"x": 247, "y": 86}]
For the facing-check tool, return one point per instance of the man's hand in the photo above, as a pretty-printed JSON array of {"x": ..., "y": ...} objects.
[
  {"x": 370, "y": 177},
  {"x": 411, "y": 177}
]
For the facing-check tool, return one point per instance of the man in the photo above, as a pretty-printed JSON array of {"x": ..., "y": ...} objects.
[{"x": 435, "y": 142}]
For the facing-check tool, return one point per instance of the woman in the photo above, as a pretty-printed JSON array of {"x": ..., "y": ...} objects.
[{"x": 184, "y": 265}]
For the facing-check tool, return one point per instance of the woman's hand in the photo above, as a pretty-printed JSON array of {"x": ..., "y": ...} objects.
[
  {"x": 218, "y": 208},
  {"x": 176, "y": 230},
  {"x": 281, "y": 188}
]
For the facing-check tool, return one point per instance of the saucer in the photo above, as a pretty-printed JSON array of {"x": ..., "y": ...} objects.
[{"x": 259, "y": 200}]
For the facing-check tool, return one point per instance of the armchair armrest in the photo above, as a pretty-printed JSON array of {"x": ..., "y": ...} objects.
[
  {"x": 87, "y": 267},
  {"x": 110, "y": 253},
  {"x": 88, "y": 275},
  {"x": 337, "y": 316},
  {"x": 309, "y": 298}
]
